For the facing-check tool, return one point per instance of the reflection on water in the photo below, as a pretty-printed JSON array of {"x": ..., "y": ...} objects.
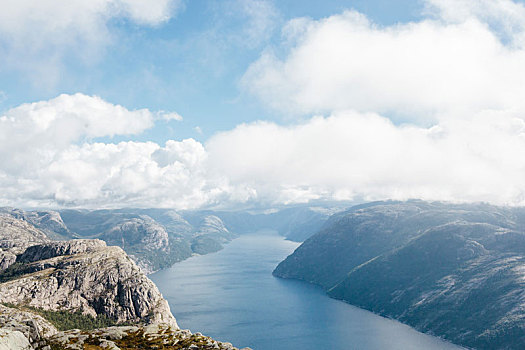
[{"x": 232, "y": 296}]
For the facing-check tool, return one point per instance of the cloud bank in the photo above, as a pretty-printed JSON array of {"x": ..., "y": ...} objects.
[
  {"x": 353, "y": 155},
  {"x": 48, "y": 158},
  {"x": 454, "y": 63},
  {"x": 431, "y": 109}
]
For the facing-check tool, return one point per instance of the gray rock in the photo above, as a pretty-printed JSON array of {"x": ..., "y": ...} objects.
[
  {"x": 48, "y": 221},
  {"x": 6, "y": 259},
  {"x": 95, "y": 279},
  {"x": 34, "y": 327},
  {"x": 13, "y": 340},
  {"x": 63, "y": 248},
  {"x": 147, "y": 336},
  {"x": 16, "y": 235}
]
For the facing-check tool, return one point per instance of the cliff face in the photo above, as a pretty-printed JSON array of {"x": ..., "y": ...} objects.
[
  {"x": 15, "y": 236},
  {"x": 456, "y": 271},
  {"x": 87, "y": 276},
  {"x": 50, "y": 289}
]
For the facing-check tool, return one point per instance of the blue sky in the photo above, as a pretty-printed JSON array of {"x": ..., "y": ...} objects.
[
  {"x": 191, "y": 64},
  {"x": 257, "y": 103}
]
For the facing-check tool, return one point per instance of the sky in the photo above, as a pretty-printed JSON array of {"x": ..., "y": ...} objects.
[{"x": 240, "y": 103}]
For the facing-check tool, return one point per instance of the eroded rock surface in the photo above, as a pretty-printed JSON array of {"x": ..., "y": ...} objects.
[{"x": 87, "y": 276}]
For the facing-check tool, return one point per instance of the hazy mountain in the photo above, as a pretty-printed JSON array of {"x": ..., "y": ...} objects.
[
  {"x": 295, "y": 223},
  {"x": 158, "y": 238},
  {"x": 154, "y": 238},
  {"x": 451, "y": 270},
  {"x": 49, "y": 221}
]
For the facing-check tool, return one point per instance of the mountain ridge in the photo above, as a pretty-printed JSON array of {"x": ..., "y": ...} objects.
[{"x": 451, "y": 270}]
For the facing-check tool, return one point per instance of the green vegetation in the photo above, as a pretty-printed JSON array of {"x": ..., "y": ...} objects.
[
  {"x": 168, "y": 340},
  {"x": 205, "y": 245},
  {"x": 13, "y": 272},
  {"x": 64, "y": 320}
]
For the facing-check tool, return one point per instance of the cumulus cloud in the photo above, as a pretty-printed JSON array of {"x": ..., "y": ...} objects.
[
  {"x": 48, "y": 157},
  {"x": 455, "y": 80},
  {"x": 36, "y": 35},
  {"x": 33, "y": 133},
  {"x": 430, "y": 109},
  {"x": 352, "y": 155},
  {"x": 454, "y": 61}
]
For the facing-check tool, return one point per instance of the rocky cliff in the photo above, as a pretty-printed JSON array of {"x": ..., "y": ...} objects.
[
  {"x": 15, "y": 236},
  {"x": 456, "y": 271},
  {"x": 65, "y": 294},
  {"x": 85, "y": 276}
]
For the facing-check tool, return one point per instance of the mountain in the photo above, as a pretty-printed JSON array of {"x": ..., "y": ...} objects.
[
  {"x": 15, "y": 236},
  {"x": 158, "y": 238},
  {"x": 154, "y": 238},
  {"x": 456, "y": 271},
  {"x": 81, "y": 294},
  {"x": 295, "y": 223},
  {"x": 48, "y": 221},
  {"x": 83, "y": 275}
]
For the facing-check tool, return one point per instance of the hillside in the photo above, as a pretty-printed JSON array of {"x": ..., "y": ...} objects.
[{"x": 455, "y": 271}]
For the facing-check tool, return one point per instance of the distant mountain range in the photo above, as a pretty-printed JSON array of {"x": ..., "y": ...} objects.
[
  {"x": 158, "y": 238},
  {"x": 456, "y": 271}
]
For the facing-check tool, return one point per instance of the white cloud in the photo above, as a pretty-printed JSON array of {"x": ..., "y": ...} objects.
[
  {"x": 37, "y": 131},
  {"x": 262, "y": 17},
  {"x": 505, "y": 17},
  {"x": 462, "y": 72},
  {"x": 167, "y": 116},
  {"x": 36, "y": 35},
  {"x": 352, "y": 155},
  {"x": 419, "y": 71},
  {"x": 458, "y": 70},
  {"x": 48, "y": 157}
]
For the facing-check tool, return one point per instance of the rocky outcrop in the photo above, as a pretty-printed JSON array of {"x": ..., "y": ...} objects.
[
  {"x": 47, "y": 288},
  {"x": 16, "y": 234},
  {"x": 33, "y": 327},
  {"x": 87, "y": 276},
  {"x": 134, "y": 337},
  {"x": 22, "y": 330},
  {"x": 13, "y": 340},
  {"x": 6, "y": 259},
  {"x": 61, "y": 248}
]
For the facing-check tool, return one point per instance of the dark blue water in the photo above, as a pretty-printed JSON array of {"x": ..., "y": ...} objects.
[{"x": 232, "y": 296}]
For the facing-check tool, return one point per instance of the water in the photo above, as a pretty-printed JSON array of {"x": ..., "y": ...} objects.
[{"x": 232, "y": 296}]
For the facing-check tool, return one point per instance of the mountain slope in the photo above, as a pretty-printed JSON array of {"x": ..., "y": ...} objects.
[{"x": 457, "y": 271}]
